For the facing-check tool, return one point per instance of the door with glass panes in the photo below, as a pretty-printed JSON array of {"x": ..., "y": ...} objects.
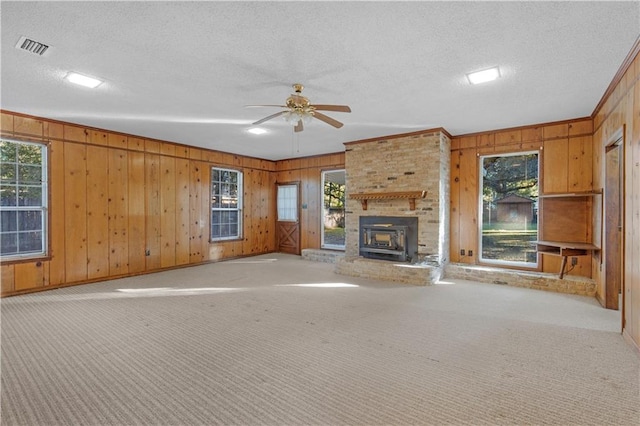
[{"x": 288, "y": 223}]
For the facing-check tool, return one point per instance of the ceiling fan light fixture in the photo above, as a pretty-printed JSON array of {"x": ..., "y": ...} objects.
[
  {"x": 483, "y": 76},
  {"x": 292, "y": 117}
]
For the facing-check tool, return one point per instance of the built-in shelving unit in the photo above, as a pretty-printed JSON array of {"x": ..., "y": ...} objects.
[{"x": 570, "y": 224}]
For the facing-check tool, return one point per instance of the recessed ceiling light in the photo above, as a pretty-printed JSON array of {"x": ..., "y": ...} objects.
[
  {"x": 257, "y": 130},
  {"x": 83, "y": 80},
  {"x": 483, "y": 76}
]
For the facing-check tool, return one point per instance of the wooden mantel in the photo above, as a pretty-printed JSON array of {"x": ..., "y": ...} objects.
[{"x": 409, "y": 195}]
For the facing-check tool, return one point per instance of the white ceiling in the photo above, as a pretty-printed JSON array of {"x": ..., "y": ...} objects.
[{"x": 183, "y": 71}]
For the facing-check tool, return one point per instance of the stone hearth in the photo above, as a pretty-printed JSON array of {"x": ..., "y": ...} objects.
[{"x": 402, "y": 164}]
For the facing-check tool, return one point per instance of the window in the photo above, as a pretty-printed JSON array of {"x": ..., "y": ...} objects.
[
  {"x": 23, "y": 199},
  {"x": 287, "y": 203},
  {"x": 333, "y": 218},
  {"x": 226, "y": 204},
  {"x": 508, "y": 209}
]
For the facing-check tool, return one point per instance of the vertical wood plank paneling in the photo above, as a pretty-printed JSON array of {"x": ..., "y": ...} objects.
[
  {"x": 580, "y": 172},
  {"x": 454, "y": 211},
  {"x": 46, "y": 266},
  {"x": 6, "y": 122},
  {"x": 136, "y": 212},
  {"x": 182, "y": 151},
  {"x": 248, "y": 230},
  {"x": 28, "y": 275},
  {"x": 75, "y": 215},
  {"x": 532, "y": 134},
  {"x": 118, "y": 209},
  {"x": 578, "y": 128},
  {"x": 311, "y": 206},
  {"x": 168, "y": 209},
  {"x": 116, "y": 140},
  {"x": 97, "y": 212},
  {"x": 182, "y": 211},
  {"x": 195, "y": 153},
  {"x": 152, "y": 201},
  {"x": 632, "y": 230},
  {"x": 56, "y": 212},
  {"x": 168, "y": 149},
  {"x": 257, "y": 205},
  {"x": 272, "y": 212},
  {"x": 7, "y": 275},
  {"x": 139, "y": 204},
  {"x": 555, "y": 166},
  {"x": 135, "y": 144},
  {"x": 53, "y": 130},
  {"x": 553, "y": 131},
  {"x": 28, "y": 126},
  {"x": 205, "y": 208},
  {"x": 74, "y": 133},
  {"x": 97, "y": 137},
  {"x": 468, "y": 199},
  {"x": 196, "y": 219},
  {"x": 151, "y": 146}
]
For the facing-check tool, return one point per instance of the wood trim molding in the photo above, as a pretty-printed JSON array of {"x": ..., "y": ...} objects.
[
  {"x": 410, "y": 195},
  {"x": 47, "y": 138},
  {"x": 529, "y": 126},
  {"x": 401, "y": 135},
  {"x": 635, "y": 50}
]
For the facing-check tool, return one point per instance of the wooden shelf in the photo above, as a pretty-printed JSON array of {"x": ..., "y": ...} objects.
[
  {"x": 564, "y": 249},
  {"x": 570, "y": 224},
  {"x": 571, "y": 194},
  {"x": 409, "y": 195}
]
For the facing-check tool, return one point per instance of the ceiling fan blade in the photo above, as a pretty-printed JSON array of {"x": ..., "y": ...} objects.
[
  {"x": 258, "y": 106},
  {"x": 299, "y": 127},
  {"x": 337, "y": 108},
  {"x": 327, "y": 119},
  {"x": 269, "y": 118}
]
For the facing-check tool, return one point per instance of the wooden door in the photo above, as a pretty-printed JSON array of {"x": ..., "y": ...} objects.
[
  {"x": 288, "y": 223},
  {"x": 613, "y": 226}
]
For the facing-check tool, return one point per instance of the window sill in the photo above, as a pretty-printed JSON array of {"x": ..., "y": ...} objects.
[
  {"x": 226, "y": 240},
  {"x": 17, "y": 260}
]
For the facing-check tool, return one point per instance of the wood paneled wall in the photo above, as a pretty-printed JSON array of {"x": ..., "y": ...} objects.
[
  {"x": 121, "y": 205},
  {"x": 308, "y": 172},
  {"x": 620, "y": 109},
  {"x": 565, "y": 166}
]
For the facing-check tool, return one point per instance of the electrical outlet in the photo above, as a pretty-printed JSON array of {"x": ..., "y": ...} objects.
[
  {"x": 147, "y": 252},
  {"x": 470, "y": 252},
  {"x": 462, "y": 252},
  {"x": 574, "y": 261}
]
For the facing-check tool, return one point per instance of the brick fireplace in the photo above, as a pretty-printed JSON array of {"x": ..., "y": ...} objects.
[{"x": 405, "y": 176}]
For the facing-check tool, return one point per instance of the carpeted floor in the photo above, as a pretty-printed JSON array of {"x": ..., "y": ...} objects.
[{"x": 277, "y": 340}]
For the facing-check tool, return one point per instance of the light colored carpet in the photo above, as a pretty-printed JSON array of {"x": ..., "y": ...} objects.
[{"x": 277, "y": 340}]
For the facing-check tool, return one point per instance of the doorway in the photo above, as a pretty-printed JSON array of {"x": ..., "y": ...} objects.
[
  {"x": 333, "y": 216},
  {"x": 288, "y": 223},
  {"x": 613, "y": 223}
]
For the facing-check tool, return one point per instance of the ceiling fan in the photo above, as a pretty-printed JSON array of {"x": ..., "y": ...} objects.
[{"x": 298, "y": 109}]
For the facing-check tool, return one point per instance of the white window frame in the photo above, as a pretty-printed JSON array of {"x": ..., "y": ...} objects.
[
  {"x": 323, "y": 244},
  {"x": 527, "y": 265},
  {"x": 287, "y": 202},
  {"x": 42, "y": 208},
  {"x": 237, "y": 209}
]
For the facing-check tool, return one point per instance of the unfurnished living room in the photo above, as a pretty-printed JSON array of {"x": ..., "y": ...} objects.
[{"x": 320, "y": 213}]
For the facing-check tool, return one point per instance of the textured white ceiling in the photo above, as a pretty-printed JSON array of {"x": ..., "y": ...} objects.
[{"x": 183, "y": 71}]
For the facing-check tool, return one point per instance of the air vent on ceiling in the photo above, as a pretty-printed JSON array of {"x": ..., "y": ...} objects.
[{"x": 32, "y": 46}]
